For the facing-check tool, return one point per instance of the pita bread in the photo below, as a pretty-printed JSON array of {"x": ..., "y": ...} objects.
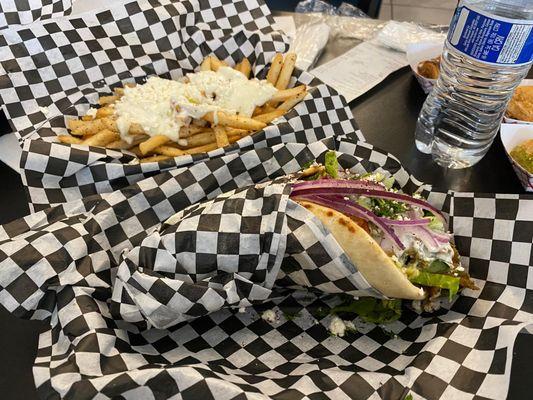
[{"x": 366, "y": 254}]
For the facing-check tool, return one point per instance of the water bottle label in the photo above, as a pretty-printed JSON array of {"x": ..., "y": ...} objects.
[{"x": 490, "y": 39}]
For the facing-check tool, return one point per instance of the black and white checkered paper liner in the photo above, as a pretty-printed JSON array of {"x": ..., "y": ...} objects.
[
  {"x": 62, "y": 264},
  {"x": 65, "y": 65},
  {"x": 17, "y": 12},
  {"x": 228, "y": 252}
]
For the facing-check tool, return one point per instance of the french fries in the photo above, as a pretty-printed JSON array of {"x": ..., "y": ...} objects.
[
  {"x": 104, "y": 112},
  {"x": 214, "y": 130},
  {"x": 221, "y": 136},
  {"x": 216, "y": 63},
  {"x": 150, "y": 144},
  {"x": 123, "y": 145},
  {"x": 69, "y": 139},
  {"x": 269, "y": 116},
  {"x": 286, "y": 94},
  {"x": 290, "y": 103},
  {"x": 175, "y": 152},
  {"x": 192, "y": 130},
  {"x": 235, "y": 121},
  {"x": 107, "y": 100},
  {"x": 275, "y": 68},
  {"x": 245, "y": 67},
  {"x": 286, "y": 71},
  {"x": 206, "y": 64},
  {"x": 102, "y": 138},
  {"x": 200, "y": 139}
]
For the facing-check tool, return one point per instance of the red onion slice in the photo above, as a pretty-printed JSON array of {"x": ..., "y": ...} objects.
[
  {"x": 359, "y": 183},
  {"x": 325, "y": 187},
  {"x": 426, "y": 237},
  {"x": 441, "y": 237},
  {"x": 406, "y": 222},
  {"x": 350, "y": 208}
]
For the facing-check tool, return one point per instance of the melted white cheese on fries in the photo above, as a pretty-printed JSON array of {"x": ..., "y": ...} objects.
[{"x": 163, "y": 106}]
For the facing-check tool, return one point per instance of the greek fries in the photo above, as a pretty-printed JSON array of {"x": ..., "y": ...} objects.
[
  {"x": 221, "y": 136},
  {"x": 69, "y": 139},
  {"x": 150, "y": 144},
  {"x": 286, "y": 71},
  {"x": 269, "y": 116},
  {"x": 195, "y": 133},
  {"x": 275, "y": 68},
  {"x": 245, "y": 67},
  {"x": 234, "y": 121},
  {"x": 101, "y": 138}
]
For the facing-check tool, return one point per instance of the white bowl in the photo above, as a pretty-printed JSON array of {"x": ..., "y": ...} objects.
[{"x": 512, "y": 135}]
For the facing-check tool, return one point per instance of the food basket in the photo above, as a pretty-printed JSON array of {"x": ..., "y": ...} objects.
[
  {"x": 419, "y": 52},
  {"x": 56, "y": 69},
  {"x": 92, "y": 268},
  {"x": 25, "y": 12}
]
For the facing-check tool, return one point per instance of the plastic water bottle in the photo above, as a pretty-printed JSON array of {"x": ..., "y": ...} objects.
[{"x": 488, "y": 52}]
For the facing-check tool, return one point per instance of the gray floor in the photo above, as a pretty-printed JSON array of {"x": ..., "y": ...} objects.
[{"x": 429, "y": 11}]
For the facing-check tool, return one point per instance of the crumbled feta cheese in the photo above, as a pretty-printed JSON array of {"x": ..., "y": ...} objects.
[
  {"x": 338, "y": 327},
  {"x": 269, "y": 316},
  {"x": 91, "y": 112}
]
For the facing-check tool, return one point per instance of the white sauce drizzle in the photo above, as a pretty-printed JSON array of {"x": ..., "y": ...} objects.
[{"x": 163, "y": 106}]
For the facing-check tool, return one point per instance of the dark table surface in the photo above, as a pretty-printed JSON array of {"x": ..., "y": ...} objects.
[{"x": 387, "y": 116}]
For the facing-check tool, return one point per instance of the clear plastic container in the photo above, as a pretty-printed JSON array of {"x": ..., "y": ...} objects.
[{"x": 487, "y": 54}]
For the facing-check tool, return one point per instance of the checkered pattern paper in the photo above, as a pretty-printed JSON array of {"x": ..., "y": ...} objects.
[
  {"x": 17, "y": 12},
  {"x": 97, "y": 270},
  {"x": 62, "y": 66}
]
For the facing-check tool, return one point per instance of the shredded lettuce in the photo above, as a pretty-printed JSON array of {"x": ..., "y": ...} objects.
[
  {"x": 308, "y": 164},
  {"x": 437, "y": 267},
  {"x": 318, "y": 175},
  {"x": 372, "y": 310},
  {"x": 389, "y": 182},
  {"x": 331, "y": 164},
  {"x": 436, "y": 224},
  {"x": 365, "y": 202},
  {"x": 437, "y": 280}
]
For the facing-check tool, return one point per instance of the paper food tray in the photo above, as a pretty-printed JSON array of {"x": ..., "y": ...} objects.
[
  {"x": 93, "y": 268},
  {"x": 64, "y": 72},
  {"x": 15, "y": 12},
  {"x": 422, "y": 51}
]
